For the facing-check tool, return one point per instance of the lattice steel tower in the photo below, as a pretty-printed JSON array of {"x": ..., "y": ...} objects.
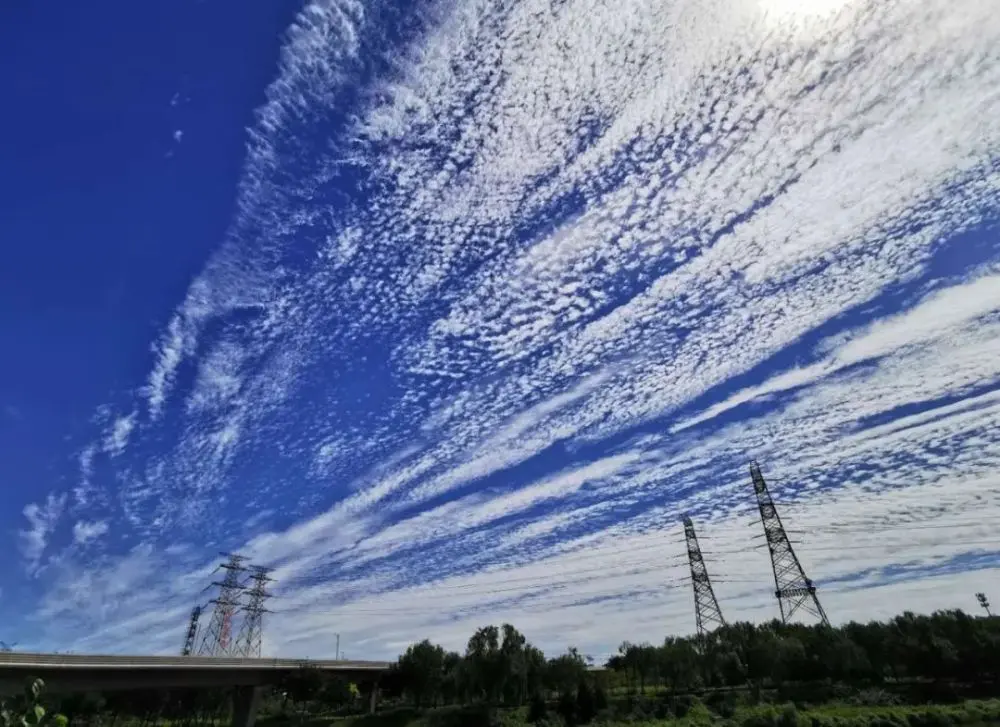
[
  {"x": 192, "y": 632},
  {"x": 251, "y": 635},
  {"x": 707, "y": 614},
  {"x": 217, "y": 640},
  {"x": 792, "y": 588}
]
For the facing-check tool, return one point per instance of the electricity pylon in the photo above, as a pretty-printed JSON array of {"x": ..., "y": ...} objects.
[
  {"x": 217, "y": 640},
  {"x": 707, "y": 614},
  {"x": 792, "y": 588},
  {"x": 251, "y": 635},
  {"x": 192, "y": 632}
]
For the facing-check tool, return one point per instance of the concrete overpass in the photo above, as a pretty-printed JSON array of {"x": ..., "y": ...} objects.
[{"x": 91, "y": 672}]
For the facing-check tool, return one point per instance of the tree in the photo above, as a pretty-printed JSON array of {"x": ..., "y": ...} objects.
[
  {"x": 485, "y": 664},
  {"x": 422, "y": 670},
  {"x": 303, "y": 685},
  {"x": 565, "y": 672},
  {"x": 514, "y": 666},
  {"x": 337, "y": 692},
  {"x": 454, "y": 678},
  {"x": 678, "y": 663}
]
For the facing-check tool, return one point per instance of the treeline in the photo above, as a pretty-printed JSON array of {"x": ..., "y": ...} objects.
[
  {"x": 944, "y": 646},
  {"x": 500, "y": 667}
]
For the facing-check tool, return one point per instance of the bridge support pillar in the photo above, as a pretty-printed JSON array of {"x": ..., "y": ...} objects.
[{"x": 245, "y": 700}]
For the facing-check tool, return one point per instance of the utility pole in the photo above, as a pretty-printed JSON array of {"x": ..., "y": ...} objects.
[
  {"x": 251, "y": 635},
  {"x": 792, "y": 588},
  {"x": 217, "y": 640},
  {"x": 192, "y": 632},
  {"x": 985, "y": 603},
  {"x": 707, "y": 614}
]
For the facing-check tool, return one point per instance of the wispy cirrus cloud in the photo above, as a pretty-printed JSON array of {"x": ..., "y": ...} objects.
[{"x": 42, "y": 520}]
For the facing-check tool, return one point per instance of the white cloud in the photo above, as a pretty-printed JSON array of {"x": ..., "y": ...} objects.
[
  {"x": 941, "y": 314},
  {"x": 118, "y": 435},
  {"x": 85, "y": 532},
  {"x": 178, "y": 135},
  {"x": 42, "y": 520}
]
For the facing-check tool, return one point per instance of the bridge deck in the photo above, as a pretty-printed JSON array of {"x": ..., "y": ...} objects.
[{"x": 26, "y": 661}]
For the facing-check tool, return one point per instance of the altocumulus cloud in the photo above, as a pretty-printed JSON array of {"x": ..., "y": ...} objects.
[{"x": 600, "y": 255}]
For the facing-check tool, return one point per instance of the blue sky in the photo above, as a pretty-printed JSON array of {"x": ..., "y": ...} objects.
[{"x": 449, "y": 311}]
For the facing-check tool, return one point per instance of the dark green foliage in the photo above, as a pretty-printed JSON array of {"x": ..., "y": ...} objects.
[
  {"x": 681, "y": 705},
  {"x": 564, "y": 673},
  {"x": 476, "y": 715},
  {"x": 874, "y": 697},
  {"x": 567, "y": 708},
  {"x": 303, "y": 684},
  {"x": 421, "y": 671},
  {"x": 336, "y": 692},
  {"x": 600, "y": 698},
  {"x": 26, "y": 710},
  {"x": 789, "y": 716},
  {"x": 537, "y": 708},
  {"x": 762, "y": 717},
  {"x": 586, "y": 709},
  {"x": 722, "y": 703},
  {"x": 864, "y": 674},
  {"x": 938, "y": 651}
]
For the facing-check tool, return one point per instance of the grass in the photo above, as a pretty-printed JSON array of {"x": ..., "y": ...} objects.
[{"x": 646, "y": 712}]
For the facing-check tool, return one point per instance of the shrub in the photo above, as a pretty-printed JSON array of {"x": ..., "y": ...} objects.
[
  {"x": 699, "y": 713},
  {"x": 681, "y": 705},
  {"x": 639, "y": 712},
  {"x": 662, "y": 709},
  {"x": 567, "y": 707},
  {"x": 474, "y": 716},
  {"x": 600, "y": 698},
  {"x": 761, "y": 717},
  {"x": 789, "y": 716},
  {"x": 26, "y": 710},
  {"x": 723, "y": 704},
  {"x": 875, "y": 697},
  {"x": 585, "y": 709}
]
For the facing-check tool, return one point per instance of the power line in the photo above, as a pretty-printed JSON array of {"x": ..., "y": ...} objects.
[
  {"x": 437, "y": 592},
  {"x": 872, "y": 547},
  {"x": 548, "y": 578},
  {"x": 679, "y": 582}
]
